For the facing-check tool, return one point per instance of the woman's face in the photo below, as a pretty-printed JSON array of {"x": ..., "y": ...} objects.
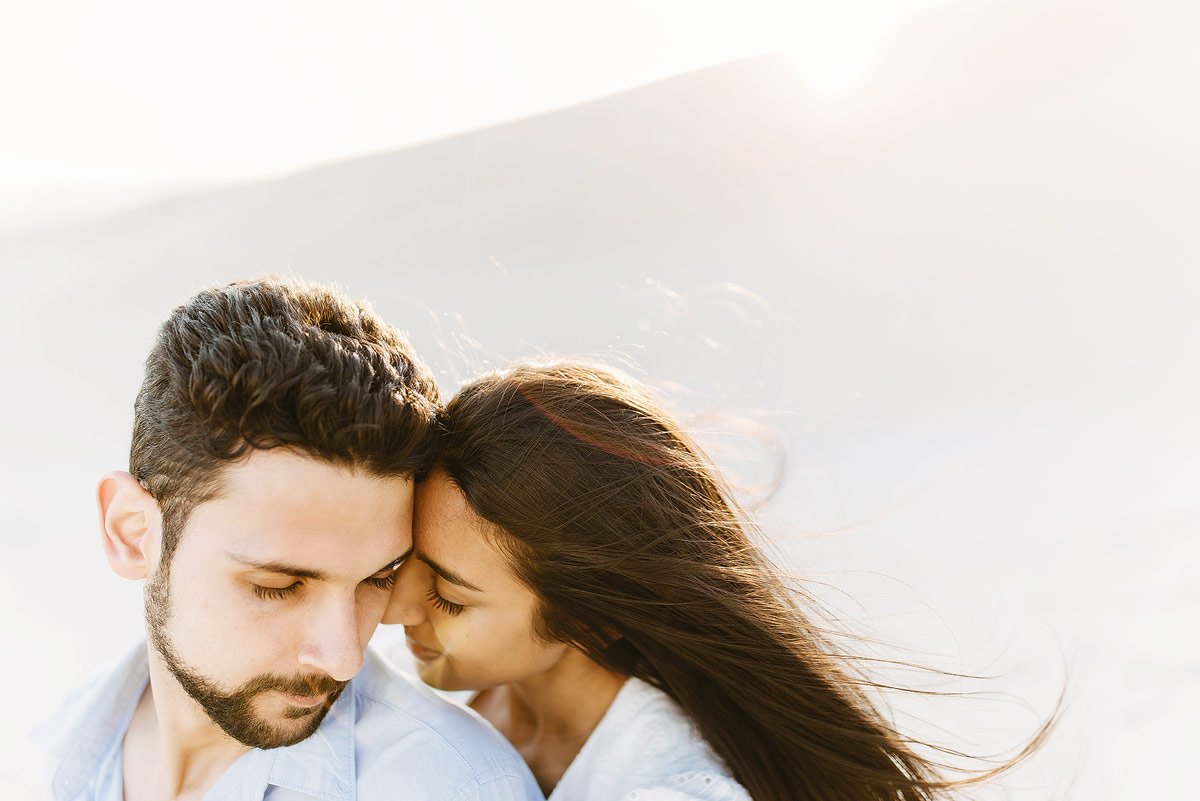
[{"x": 467, "y": 619}]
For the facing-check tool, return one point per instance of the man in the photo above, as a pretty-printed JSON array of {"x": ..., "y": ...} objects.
[{"x": 267, "y": 506}]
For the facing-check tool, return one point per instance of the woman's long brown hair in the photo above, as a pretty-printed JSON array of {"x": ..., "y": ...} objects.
[{"x": 641, "y": 559}]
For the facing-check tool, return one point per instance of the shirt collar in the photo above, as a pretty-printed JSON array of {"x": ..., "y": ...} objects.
[
  {"x": 322, "y": 765},
  {"x": 92, "y": 722},
  {"x": 82, "y": 736}
]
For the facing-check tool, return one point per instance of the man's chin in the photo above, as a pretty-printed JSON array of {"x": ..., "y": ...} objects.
[
  {"x": 287, "y": 738},
  {"x": 279, "y": 732},
  {"x": 283, "y": 724},
  {"x": 303, "y": 714}
]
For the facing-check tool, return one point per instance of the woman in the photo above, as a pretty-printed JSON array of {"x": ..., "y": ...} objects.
[{"x": 580, "y": 566}]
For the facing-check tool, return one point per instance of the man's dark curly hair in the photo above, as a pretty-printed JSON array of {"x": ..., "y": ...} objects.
[{"x": 275, "y": 363}]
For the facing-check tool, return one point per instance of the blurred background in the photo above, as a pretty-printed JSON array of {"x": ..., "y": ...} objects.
[{"x": 940, "y": 257}]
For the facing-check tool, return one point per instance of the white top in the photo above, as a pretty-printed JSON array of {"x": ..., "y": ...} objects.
[
  {"x": 646, "y": 748},
  {"x": 385, "y": 738}
]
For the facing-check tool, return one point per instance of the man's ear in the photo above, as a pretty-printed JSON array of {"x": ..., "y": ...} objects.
[{"x": 130, "y": 524}]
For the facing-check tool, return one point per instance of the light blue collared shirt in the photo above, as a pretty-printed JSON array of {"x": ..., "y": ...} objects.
[{"x": 386, "y": 737}]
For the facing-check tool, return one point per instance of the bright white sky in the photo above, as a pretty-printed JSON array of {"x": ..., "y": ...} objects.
[{"x": 113, "y": 102}]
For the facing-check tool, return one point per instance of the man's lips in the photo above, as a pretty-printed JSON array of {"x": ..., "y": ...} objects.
[
  {"x": 420, "y": 651},
  {"x": 306, "y": 700}
]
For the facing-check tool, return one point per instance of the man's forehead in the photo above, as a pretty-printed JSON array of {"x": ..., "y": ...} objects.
[
  {"x": 274, "y": 529},
  {"x": 280, "y": 483},
  {"x": 286, "y": 510},
  {"x": 284, "y": 467}
]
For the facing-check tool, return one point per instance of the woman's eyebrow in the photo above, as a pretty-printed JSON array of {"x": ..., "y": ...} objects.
[{"x": 448, "y": 575}]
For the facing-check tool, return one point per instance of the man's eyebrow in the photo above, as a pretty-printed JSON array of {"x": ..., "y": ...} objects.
[
  {"x": 447, "y": 574},
  {"x": 305, "y": 572},
  {"x": 395, "y": 563},
  {"x": 280, "y": 567}
]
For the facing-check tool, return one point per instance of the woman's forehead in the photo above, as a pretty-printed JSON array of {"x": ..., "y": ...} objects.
[{"x": 449, "y": 533}]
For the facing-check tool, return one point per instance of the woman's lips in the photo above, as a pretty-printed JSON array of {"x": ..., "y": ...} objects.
[{"x": 422, "y": 653}]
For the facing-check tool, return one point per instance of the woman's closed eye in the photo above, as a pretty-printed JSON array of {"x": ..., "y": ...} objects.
[{"x": 449, "y": 607}]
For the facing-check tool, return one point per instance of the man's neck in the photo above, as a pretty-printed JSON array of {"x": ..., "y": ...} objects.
[{"x": 172, "y": 749}]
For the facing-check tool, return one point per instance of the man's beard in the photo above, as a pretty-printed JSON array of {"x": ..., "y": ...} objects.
[{"x": 234, "y": 711}]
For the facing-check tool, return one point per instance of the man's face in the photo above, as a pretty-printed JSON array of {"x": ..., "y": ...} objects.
[{"x": 275, "y": 587}]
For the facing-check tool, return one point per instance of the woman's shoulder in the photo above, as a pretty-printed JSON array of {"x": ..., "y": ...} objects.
[
  {"x": 646, "y": 748},
  {"x": 692, "y": 786}
]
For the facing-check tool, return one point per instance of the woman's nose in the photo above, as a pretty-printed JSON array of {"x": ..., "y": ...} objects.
[{"x": 407, "y": 604}]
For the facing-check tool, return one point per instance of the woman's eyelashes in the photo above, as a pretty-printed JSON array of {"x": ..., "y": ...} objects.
[
  {"x": 449, "y": 607},
  {"x": 380, "y": 581}
]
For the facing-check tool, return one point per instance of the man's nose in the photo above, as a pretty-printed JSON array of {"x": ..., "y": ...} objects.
[
  {"x": 334, "y": 645},
  {"x": 407, "y": 604}
]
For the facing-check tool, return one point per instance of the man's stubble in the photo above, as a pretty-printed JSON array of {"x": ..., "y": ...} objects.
[{"x": 233, "y": 711}]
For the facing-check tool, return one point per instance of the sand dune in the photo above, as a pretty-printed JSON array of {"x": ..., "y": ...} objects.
[{"x": 964, "y": 299}]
